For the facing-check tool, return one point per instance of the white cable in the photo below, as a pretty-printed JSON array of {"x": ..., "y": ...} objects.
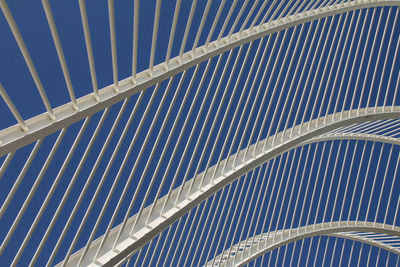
[
  {"x": 6, "y": 162},
  {"x": 89, "y": 48},
  {"x": 154, "y": 38},
  {"x": 13, "y": 109},
  {"x": 28, "y": 60},
  {"x": 113, "y": 42},
  {"x": 135, "y": 40},
  {"x": 53, "y": 187}
]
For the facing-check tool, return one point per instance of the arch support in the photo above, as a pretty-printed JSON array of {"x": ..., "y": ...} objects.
[
  {"x": 206, "y": 184},
  {"x": 259, "y": 245},
  {"x": 40, "y": 126}
]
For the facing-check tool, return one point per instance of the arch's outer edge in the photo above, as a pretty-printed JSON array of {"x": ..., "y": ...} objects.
[
  {"x": 371, "y": 242},
  {"x": 158, "y": 222},
  {"x": 337, "y": 229},
  {"x": 40, "y": 126},
  {"x": 353, "y": 136}
]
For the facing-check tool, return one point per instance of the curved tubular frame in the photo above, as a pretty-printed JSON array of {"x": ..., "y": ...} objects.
[
  {"x": 210, "y": 185},
  {"x": 40, "y": 126},
  {"x": 250, "y": 252},
  {"x": 353, "y": 136},
  {"x": 369, "y": 241}
]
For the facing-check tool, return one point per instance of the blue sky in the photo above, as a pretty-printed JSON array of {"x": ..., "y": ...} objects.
[{"x": 16, "y": 79}]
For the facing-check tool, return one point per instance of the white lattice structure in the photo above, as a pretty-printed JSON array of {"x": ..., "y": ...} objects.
[{"x": 265, "y": 130}]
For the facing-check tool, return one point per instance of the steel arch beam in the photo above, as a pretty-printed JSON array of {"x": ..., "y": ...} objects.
[
  {"x": 353, "y": 136},
  {"x": 249, "y": 252},
  {"x": 368, "y": 241},
  {"x": 158, "y": 222},
  {"x": 40, "y": 126}
]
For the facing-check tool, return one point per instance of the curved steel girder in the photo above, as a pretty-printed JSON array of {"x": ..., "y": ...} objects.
[
  {"x": 250, "y": 251},
  {"x": 158, "y": 222},
  {"x": 369, "y": 241},
  {"x": 40, "y": 126},
  {"x": 353, "y": 136}
]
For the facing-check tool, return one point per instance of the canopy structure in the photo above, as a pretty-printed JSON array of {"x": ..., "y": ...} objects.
[{"x": 200, "y": 133}]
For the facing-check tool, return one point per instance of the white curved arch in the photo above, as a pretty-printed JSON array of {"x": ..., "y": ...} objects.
[
  {"x": 148, "y": 224},
  {"x": 354, "y": 136},
  {"x": 369, "y": 241},
  {"x": 250, "y": 251},
  {"x": 40, "y": 126},
  {"x": 210, "y": 185}
]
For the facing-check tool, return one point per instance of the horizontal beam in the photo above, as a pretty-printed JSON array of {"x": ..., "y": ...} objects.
[
  {"x": 158, "y": 222},
  {"x": 40, "y": 126}
]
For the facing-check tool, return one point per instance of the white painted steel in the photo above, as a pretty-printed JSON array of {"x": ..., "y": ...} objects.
[
  {"x": 348, "y": 230},
  {"x": 13, "y": 138},
  {"x": 362, "y": 122},
  {"x": 204, "y": 186}
]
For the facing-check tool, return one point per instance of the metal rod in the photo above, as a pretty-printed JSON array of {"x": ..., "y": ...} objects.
[
  {"x": 28, "y": 60},
  {"x": 89, "y": 49},
  {"x": 113, "y": 41},
  {"x": 60, "y": 53},
  {"x": 13, "y": 109}
]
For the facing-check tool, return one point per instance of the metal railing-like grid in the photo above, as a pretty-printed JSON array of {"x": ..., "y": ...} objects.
[{"x": 215, "y": 133}]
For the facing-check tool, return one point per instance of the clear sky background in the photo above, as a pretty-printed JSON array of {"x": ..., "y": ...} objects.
[{"x": 16, "y": 79}]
